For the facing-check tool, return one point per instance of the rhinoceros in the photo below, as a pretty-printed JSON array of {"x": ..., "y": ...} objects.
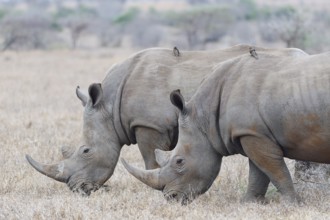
[
  {"x": 131, "y": 106},
  {"x": 265, "y": 109}
]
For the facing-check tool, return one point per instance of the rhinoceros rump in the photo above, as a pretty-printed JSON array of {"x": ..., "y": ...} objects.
[
  {"x": 131, "y": 106},
  {"x": 264, "y": 109}
]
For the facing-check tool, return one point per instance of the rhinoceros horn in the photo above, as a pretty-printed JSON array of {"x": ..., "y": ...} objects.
[
  {"x": 148, "y": 177},
  {"x": 54, "y": 171}
]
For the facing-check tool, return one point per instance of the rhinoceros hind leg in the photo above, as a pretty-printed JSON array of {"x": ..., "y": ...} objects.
[
  {"x": 268, "y": 157},
  {"x": 258, "y": 184}
]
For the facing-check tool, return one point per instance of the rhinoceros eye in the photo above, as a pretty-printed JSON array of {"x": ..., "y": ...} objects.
[
  {"x": 179, "y": 161},
  {"x": 86, "y": 151}
]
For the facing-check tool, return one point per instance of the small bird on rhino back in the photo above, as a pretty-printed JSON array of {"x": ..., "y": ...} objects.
[
  {"x": 253, "y": 52},
  {"x": 176, "y": 52}
]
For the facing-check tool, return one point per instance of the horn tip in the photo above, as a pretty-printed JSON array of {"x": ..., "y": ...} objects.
[
  {"x": 28, "y": 158},
  {"x": 127, "y": 166},
  {"x": 123, "y": 161},
  {"x": 32, "y": 162}
]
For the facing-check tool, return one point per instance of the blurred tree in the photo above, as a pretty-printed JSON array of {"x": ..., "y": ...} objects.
[
  {"x": 127, "y": 16},
  {"x": 27, "y": 30},
  {"x": 203, "y": 24},
  {"x": 316, "y": 42},
  {"x": 245, "y": 9},
  {"x": 77, "y": 21},
  {"x": 104, "y": 26},
  {"x": 206, "y": 21},
  {"x": 291, "y": 30},
  {"x": 286, "y": 24},
  {"x": 147, "y": 30},
  {"x": 76, "y": 26}
]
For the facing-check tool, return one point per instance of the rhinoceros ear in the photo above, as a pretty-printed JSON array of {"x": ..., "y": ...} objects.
[
  {"x": 81, "y": 96},
  {"x": 178, "y": 100},
  {"x": 162, "y": 157},
  {"x": 95, "y": 93}
]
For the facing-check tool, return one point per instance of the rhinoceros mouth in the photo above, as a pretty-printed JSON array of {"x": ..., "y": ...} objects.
[
  {"x": 85, "y": 189},
  {"x": 178, "y": 196},
  {"x": 82, "y": 188}
]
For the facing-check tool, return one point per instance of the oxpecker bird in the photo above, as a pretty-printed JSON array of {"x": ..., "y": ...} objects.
[
  {"x": 253, "y": 52},
  {"x": 176, "y": 52}
]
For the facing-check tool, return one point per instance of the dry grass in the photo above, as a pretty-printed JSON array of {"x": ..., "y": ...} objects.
[{"x": 40, "y": 113}]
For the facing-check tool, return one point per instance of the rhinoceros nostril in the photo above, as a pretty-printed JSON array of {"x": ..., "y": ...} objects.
[{"x": 173, "y": 196}]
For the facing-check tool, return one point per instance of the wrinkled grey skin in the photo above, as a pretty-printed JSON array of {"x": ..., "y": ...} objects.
[
  {"x": 264, "y": 109},
  {"x": 131, "y": 106}
]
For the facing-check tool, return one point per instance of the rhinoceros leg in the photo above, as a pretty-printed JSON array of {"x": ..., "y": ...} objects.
[
  {"x": 148, "y": 140},
  {"x": 258, "y": 184},
  {"x": 268, "y": 157}
]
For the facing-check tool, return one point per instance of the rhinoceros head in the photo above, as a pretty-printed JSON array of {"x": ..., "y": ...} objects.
[
  {"x": 91, "y": 165},
  {"x": 191, "y": 167}
]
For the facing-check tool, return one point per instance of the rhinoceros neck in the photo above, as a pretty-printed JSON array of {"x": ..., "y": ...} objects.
[
  {"x": 207, "y": 102},
  {"x": 113, "y": 85}
]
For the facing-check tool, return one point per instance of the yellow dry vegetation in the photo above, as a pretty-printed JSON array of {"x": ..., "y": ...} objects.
[{"x": 39, "y": 112}]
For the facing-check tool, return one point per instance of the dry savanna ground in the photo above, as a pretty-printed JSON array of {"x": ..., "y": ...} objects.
[{"x": 39, "y": 113}]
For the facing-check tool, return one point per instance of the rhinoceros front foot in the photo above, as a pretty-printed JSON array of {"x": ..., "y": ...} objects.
[
  {"x": 295, "y": 199},
  {"x": 254, "y": 199}
]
